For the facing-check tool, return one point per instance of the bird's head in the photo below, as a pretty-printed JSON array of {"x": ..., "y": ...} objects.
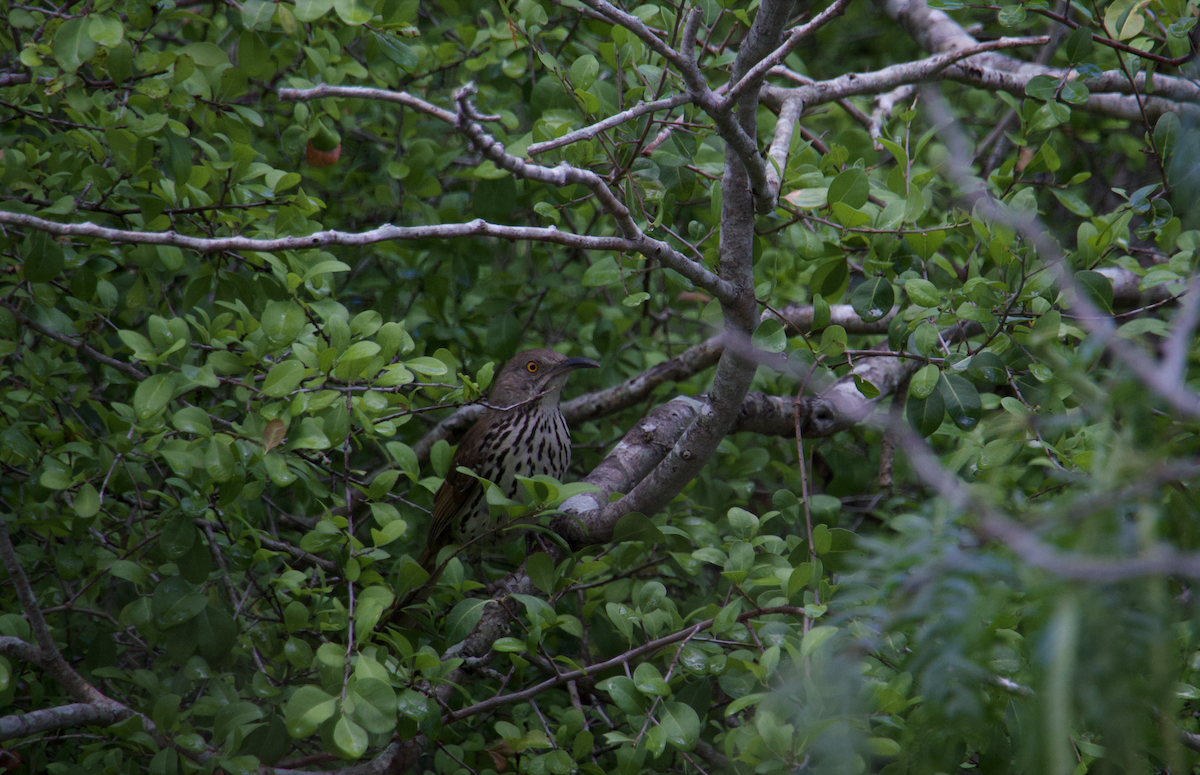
[{"x": 535, "y": 375}]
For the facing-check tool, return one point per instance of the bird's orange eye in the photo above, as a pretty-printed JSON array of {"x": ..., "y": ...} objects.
[{"x": 531, "y": 367}]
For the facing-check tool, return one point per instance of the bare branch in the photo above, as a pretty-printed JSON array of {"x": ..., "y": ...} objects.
[
  {"x": 322, "y": 91},
  {"x": 51, "y": 658},
  {"x": 565, "y": 175},
  {"x": 885, "y": 105},
  {"x": 19, "y": 649},
  {"x": 475, "y": 228},
  {"x": 736, "y": 133},
  {"x": 754, "y": 78},
  {"x": 621, "y": 659},
  {"x": 589, "y": 132},
  {"x": 634, "y": 25},
  {"x": 48, "y": 719},
  {"x": 785, "y": 127},
  {"x": 936, "y": 32},
  {"x": 889, "y": 78}
]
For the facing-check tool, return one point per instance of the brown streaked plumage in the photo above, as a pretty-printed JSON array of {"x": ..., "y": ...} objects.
[{"x": 522, "y": 433}]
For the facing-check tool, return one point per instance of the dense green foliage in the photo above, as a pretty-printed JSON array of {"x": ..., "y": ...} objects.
[{"x": 207, "y": 455}]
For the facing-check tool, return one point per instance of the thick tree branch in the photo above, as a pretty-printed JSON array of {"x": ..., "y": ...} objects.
[
  {"x": 754, "y": 78},
  {"x": 887, "y": 78},
  {"x": 785, "y": 126},
  {"x": 60, "y": 717},
  {"x": 1111, "y": 95},
  {"x": 734, "y": 373},
  {"x": 739, "y": 138}
]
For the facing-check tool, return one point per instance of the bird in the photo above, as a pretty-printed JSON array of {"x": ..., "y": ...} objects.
[{"x": 522, "y": 432}]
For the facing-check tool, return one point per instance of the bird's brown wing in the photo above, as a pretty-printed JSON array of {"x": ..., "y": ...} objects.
[{"x": 456, "y": 491}]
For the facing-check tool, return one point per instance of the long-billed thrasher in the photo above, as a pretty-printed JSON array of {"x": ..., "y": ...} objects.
[{"x": 521, "y": 433}]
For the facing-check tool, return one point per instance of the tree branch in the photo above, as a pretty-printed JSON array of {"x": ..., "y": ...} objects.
[
  {"x": 565, "y": 175},
  {"x": 936, "y": 32},
  {"x": 48, "y": 719},
  {"x": 888, "y": 78},
  {"x": 475, "y": 228},
  {"x": 75, "y": 344},
  {"x": 1161, "y": 560},
  {"x": 754, "y": 78},
  {"x": 589, "y": 132},
  {"x": 1147, "y": 369}
]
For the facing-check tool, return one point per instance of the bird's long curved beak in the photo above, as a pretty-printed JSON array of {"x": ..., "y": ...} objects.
[{"x": 570, "y": 364}]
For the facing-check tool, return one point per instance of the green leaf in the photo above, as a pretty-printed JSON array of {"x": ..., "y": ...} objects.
[
  {"x": 44, "y": 261},
  {"x": 821, "y": 313},
  {"x": 987, "y": 367},
  {"x": 962, "y": 401},
  {"x": 283, "y": 378},
  {"x": 873, "y": 299},
  {"x": 649, "y": 681},
  {"x": 681, "y": 725},
  {"x": 463, "y": 618},
  {"x": 925, "y": 381},
  {"x": 282, "y": 322},
  {"x": 833, "y": 341},
  {"x": 883, "y": 746},
  {"x": 1072, "y": 201},
  {"x": 152, "y": 395},
  {"x": 830, "y": 279},
  {"x": 923, "y": 292},
  {"x": 72, "y": 44},
  {"x": 362, "y": 350},
  {"x": 926, "y": 414},
  {"x": 430, "y": 367},
  {"x": 1011, "y": 15},
  {"x": 541, "y": 571},
  {"x": 770, "y": 336},
  {"x": 106, "y": 30},
  {"x": 86, "y": 502},
  {"x": 925, "y": 243},
  {"x": 813, "y": 639},
  {"x": 1097, "y": 288},
  {"x": 374, "y": 705},
  {"x": 205, "y": 54},
  {"x": 350, "y": 738},
  {"x": 997, "y": 453},
  {"x": 257, "y": 14},
  {"x": 1167, "y": 131},
  {"x": 1079, "y": 45},
  {"x": 584, "y": 71},
  {"x": 311, "y": 10},
  {"x": 310, "y": 436},
  {"x": 623, "y": 693},
  {"x": 307, "y": 709},
  {"x": 850, "y": 188},
  {"x": 603, "y": 272},
  {"x": 636, "y": 527},
  {"x": 1041, "y": 87}
]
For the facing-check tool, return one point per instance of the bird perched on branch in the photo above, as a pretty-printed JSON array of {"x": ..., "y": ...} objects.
[{"x": 521, "y": 433}]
